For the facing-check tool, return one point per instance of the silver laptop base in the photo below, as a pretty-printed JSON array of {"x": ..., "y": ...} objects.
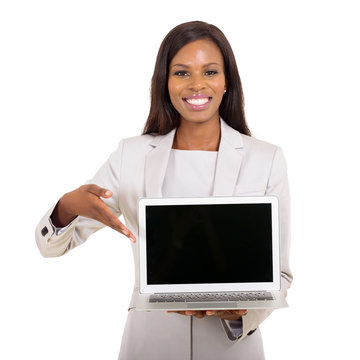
[{"x": 144, "y": 302}]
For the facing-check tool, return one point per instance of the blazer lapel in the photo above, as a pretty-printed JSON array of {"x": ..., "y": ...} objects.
[
  {"x": 227, "y": 165},
  {"x": 228, "y": 161},
  {"x": 156, "y": 164}
]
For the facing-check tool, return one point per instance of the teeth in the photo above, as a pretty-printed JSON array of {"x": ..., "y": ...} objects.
[{"x": 197, "y": 101}]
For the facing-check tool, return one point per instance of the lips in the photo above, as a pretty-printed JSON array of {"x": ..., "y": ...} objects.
[{"x": 197, "y": 101}]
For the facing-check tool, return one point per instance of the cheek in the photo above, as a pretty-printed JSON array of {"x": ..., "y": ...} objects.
[
  {"x": 174, "y": 92},
  {"x": 220, "y": 86},
  {"x": 220, "y": 91}
]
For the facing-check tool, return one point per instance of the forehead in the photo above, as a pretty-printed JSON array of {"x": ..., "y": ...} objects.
[{"x": 198, "y": 52}]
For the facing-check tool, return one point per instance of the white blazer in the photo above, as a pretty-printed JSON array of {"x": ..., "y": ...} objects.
[{"x": 245, "y": 166}]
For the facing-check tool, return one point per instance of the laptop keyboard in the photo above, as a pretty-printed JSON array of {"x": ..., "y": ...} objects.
[{"x": 205, "y": 297}]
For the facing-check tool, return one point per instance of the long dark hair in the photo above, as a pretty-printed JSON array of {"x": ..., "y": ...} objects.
[{"x": 163, "y": 117}]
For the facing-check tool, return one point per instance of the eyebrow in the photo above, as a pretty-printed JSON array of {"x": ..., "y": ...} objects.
[{"x": 186, "y": 66}]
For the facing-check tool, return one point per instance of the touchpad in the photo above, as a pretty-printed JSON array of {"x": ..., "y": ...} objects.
[{"x": 213, "y": 305}]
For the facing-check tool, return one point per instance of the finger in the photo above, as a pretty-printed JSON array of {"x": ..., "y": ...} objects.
[
  {"x": 98, "y": 191},
  {"x": 125, "y": 231},
  {"x": 117, "y": 225},
  {"x": 108, "y": 218},
  {"x": 114, "y": 223},
  {"x": 197, "y": 313},
  {"x": 200, "y": 314},
  {"x": 190, "y": 312},
  {"x": 222, "y": 312},
  {"x": 132, "y": 237},
  {"x": 225, "y": 314},
  {"x": 239, "y": 313}
]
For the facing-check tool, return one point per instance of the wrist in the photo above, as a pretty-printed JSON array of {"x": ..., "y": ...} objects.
[{"x": 60, "y": 216}]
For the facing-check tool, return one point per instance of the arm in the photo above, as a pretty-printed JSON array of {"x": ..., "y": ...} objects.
[{"x": 84, "y": 210}]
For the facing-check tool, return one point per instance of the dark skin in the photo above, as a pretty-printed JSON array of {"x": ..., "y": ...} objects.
[
  {"x": 86, "y": 201},
  {"x": 196, "y": 69}
]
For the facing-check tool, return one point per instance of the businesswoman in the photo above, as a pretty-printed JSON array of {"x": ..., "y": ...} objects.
[{"x": 195, "y": 143}]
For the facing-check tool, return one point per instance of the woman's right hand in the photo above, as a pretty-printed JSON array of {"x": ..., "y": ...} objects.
[{"x": 86, "y": 201}]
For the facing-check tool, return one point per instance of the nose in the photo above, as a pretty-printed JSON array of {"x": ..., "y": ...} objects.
[{"x": 197, "y": 83}]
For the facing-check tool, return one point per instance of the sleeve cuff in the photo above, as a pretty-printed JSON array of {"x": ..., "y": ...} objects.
[{"x": 58, "y": 231}]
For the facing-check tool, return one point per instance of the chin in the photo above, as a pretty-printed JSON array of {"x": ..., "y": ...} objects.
[{"x": 199, "y": 118}]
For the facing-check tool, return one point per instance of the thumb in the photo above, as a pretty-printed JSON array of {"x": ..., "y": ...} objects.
[
  {"x": 99, "y": 191},
  {"x": 106, "y": 193}
]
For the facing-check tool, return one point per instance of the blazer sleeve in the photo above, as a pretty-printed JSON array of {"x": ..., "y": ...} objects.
[
  {"x": 278, "y": 186},
  {"x": 50, "y": 244}
]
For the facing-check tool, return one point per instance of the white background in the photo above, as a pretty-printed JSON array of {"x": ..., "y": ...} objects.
[{"x": 74, "y": 80}]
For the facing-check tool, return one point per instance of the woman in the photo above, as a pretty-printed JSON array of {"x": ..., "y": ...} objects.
[{"x": 195, "y": 143}]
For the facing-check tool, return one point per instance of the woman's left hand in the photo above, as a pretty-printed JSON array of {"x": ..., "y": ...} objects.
[{"x": 223, "y": 314}]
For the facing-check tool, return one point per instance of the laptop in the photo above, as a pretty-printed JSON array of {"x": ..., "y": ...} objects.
[{"x": 209, "y": 253}]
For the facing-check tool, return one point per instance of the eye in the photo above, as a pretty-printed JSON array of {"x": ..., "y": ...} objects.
[
  {"x": 211, "y": 72},
  {"x": 181, "y": 73}
]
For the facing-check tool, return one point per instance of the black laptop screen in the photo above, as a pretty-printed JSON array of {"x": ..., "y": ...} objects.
[{"x": 202, "y": 244}]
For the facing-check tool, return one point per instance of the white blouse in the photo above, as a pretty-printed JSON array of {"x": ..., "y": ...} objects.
[{"x": 190, "y": 173}]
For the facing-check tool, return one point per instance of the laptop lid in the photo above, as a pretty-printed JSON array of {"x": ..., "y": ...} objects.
[{"x": 208, "y": 244}]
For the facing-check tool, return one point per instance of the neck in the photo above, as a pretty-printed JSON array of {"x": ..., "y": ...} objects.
[{"x": 197, "y": 136}]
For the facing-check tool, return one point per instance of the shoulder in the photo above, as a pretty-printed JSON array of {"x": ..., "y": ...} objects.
[
  {"x": 135, "y": 149},
  {"x": 248, "y": 144},
  {"x": 139, "y": 143},
  {"x": 262, "y": 154},
  {"x": 140, "y": 140},
  {"x": 145, "y": 143},
  {"x": 254, "y": 144}
]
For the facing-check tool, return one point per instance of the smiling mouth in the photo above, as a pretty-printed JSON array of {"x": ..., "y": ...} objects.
[{"x": 199, "y": 101}]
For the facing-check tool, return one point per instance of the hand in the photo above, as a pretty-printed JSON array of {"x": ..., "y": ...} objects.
[
  {"x": 86, "y": 201},
  {"x": 223, "y": 314}
]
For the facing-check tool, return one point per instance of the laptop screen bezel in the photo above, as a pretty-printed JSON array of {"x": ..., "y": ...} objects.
[{"x": 146, "y": 288}]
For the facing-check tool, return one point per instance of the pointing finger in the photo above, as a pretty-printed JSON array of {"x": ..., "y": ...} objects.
[{"x": 117, "y": 225}]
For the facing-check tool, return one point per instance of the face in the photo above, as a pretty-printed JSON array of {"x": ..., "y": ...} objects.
[{"x": 197, "y": 81}]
